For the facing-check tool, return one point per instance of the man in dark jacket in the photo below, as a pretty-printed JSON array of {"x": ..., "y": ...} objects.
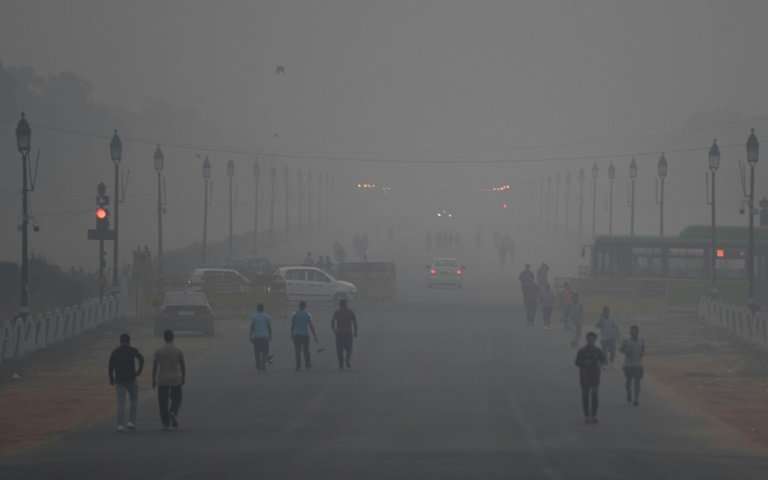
[
  {"x": 590, "y": 360},
  {"x": 344, "y": 325},
  {"x": 122, "y": 374}
]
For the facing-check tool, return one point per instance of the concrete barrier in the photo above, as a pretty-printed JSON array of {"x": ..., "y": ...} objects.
[
  {"x": 23, "y": 335},
  {"x": 737, "y": 319}
]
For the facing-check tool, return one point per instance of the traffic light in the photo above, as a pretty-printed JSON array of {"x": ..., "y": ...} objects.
[{"x": 102, "y": 219}]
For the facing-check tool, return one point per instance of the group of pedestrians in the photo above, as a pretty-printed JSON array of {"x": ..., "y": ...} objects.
[
  {"x": 591, "y": 360},
  {"x": 343, "y": 324},
  {"x": 169, "y": 373}
]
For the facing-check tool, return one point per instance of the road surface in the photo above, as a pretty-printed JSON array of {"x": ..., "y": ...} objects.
[{"x": 443, "y": 386}]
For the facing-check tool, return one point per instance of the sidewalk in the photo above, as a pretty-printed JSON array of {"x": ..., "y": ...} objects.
[{"x": 66, "y": 386}]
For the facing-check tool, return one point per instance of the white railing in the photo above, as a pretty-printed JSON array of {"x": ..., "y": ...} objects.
[
  {"x": 23, "y": 335},
  {"x": 739, "y": 320}
]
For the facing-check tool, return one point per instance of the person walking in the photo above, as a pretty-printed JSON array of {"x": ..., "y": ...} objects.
[
  {"x": 547, "y": 301},
  {"x": 123, "y": 372},
  {"x": 301, "y": 326},
  {"x": 633, "y": 349},
  {"x": 344, "y": 326},
  {"x": 169, "y": 374},
  {"x": 260, "y": 335},
  {"x": 590, "y": 360},
  {"x": 530, "y": 293},
  {"x": 542, "y": 275},
  {"x": 609, "y": 333}
]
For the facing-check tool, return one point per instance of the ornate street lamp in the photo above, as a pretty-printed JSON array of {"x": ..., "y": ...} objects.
[
  {"x": 206, "y": 188},
  {"x": 714, "y": 164},
  {"x": 116, "y": 153},
  {"x": 595, "y": 172},
  {"x": 662, "y": 170},
  {"x": 159, "y": 159},
  {"x": 611, "y": 179},
  {"x": 24, "y": 144},
  {"x": 632, "y": 181},
  {"x": 753, "y": 155}
]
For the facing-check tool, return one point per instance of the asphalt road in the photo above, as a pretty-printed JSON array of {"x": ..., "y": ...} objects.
[{"x": 443, "y": 385}]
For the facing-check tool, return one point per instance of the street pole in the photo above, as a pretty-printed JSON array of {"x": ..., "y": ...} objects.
[
  {"x": 632, "y": 178},
  {"x": 753, "y": 149},
  {"x": 594, "y": 199},
  {"x": 581, "y": 203},
  {"x": 206, "y": 189},
  {"x": 287, "y": 181},
  {"x": 309, "y": 199},
  {"x": 567, "y": 199},
  {"x": 256, "y": 175},
  {"x": 300, "y": 198},
  {"x": 231, "y": 174},
  {"x": 611, "y": 179},
  {"x": 24, "y": 144},
  {"x": 557, "y": 199},
  {"x": 116, "y": 153},
  {"x": 662, "y": 169},
  {"x": 273, "y": 178},
  {"x": 159, "y": 165},
  {"x": 714, "y": 164}
]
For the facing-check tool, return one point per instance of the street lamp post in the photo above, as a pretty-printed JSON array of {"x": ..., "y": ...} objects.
[
  {"x": 206, "y": 188},
  {"x": 581, "y": 203},
  {"x": 116, "y": 152},
  {"x": 632, "y": 181},
  {"x": 159, "y": 159},
  {"x": 611, "y": 178},
  {"x": 287, "y": 209},
  {"x": 662, "y": 168},
  {"x": 272, "y": 178},
  {"x": 24, "y": 144},
  {"x": 594, "y": 199},
  {"x": 753, "y": 155},
  {"x": 567, "y": 199},
  {"x": 231, "y": 175},
  {"x": 557, "y": 199},
  {"x": 256, "y": 177},
  {"x": 714, "y": 164},
  {"x": 300, "y": 198}
]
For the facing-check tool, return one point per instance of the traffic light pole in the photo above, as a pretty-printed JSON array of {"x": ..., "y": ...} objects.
[{"x": 102, "y": 265}]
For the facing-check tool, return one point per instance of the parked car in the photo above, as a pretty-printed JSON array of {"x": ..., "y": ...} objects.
[
  {"x": 185, "y": 310},
  {"x": 312, "y": 283},
  {"x": 225, "y": 287}
]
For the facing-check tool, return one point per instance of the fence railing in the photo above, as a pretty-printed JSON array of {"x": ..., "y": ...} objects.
[
  {"x": 739, "y": 320},
  {"x": 23, "y": 335}
]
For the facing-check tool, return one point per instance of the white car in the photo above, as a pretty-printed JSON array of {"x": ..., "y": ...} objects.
[
  {"x": 445, "y": 271},
  {"x": 310, "y": 283}
]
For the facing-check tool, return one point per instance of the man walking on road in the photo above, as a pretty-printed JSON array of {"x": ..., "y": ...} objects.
[
  {"x": 609, "y": 333},
  {"x": 590, "y": 361},
  {"x": 301, "y": 326},
  {"x": 260, "y": 335},
  {"x": 633, "y": 349},
  {"x": 344, "y": 325},
  {"x": 530, "y": 293},
  {"x": 168, "y": 375},
  {"x": 122, "y": 374}
]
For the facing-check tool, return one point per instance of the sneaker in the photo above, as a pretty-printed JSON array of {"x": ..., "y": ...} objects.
[
  {"x": 130, "y": 426},
  {"x": 174, "y": 421},
  {"x": 120, "y": 428}
]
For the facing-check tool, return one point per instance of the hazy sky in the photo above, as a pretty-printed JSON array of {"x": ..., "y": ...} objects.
[
  {"x": 375, "y": 76},
  {"x": 429, "y": 80}
]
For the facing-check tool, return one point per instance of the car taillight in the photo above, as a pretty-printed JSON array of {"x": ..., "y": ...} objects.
[
  {"x": 433, "y": 272},
  {"x": 459, "y": 272}
]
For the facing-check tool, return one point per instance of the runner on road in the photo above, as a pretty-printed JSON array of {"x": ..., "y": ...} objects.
[
  {"x": 633, "y": 349},
  {"x": 168, "y": 375},
  {"x": 301, "y": 326},
  {"x": 122, "y": 374},
  {"x": 590, "y": 360},
  {"x": 260, "y": 335},
  {"x": 344, "y": 325},
  {"x": 609, "y": 333}
]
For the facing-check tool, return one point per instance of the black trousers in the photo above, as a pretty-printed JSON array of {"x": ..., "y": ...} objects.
[
  {"x": 301, "y": 346},
  {"x": 261, "y": 351},
  {"x": 165, "y": 393},
  {"x": 344, "y": 343},
  {"x": 530, "y": 310},
  {"x": 589, "y": 400}
]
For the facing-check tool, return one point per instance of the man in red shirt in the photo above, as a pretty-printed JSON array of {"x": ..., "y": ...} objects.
[{"x": 344, "y": 325}]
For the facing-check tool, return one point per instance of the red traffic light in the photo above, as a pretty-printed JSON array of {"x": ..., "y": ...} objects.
[{"x": 101, "y": 213}]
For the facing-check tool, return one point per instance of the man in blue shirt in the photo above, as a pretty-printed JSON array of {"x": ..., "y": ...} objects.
[
  {"x": 301, "y": 326},
  {"x": 260, "y": 335}
]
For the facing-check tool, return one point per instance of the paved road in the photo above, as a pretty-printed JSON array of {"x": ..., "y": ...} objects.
[{"x": 443, "y": 386}]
